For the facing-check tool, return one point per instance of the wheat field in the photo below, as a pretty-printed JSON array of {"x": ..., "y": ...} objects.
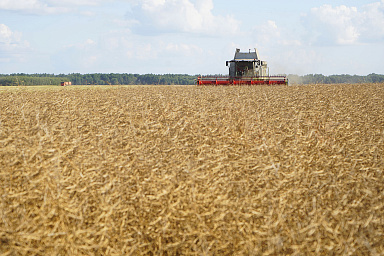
[{"x": 186, "y": 170}]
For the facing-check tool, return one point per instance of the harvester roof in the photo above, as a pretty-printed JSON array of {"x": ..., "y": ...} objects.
[{"x": 246, "y": 55}]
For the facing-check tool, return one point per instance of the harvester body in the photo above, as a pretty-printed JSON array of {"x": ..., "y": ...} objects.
[{"x": 245, "y": 69}]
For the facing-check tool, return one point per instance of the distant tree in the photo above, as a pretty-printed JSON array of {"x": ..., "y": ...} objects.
[{"x": 115, "y": 81}]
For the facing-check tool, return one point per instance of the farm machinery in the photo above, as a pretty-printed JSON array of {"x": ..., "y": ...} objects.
[{"x": 245, "y": 69}]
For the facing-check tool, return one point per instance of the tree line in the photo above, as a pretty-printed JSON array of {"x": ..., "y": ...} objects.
[
  {"x": 335, "y": 79},
  {"x": 96, "y": 79},
  {"x": 22, "y": 79}
]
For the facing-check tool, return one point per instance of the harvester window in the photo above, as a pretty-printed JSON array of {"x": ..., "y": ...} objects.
[{"x": 244, "y": 68}]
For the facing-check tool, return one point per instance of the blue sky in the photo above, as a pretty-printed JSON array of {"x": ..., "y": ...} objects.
[{"x": 190, "y": 36}]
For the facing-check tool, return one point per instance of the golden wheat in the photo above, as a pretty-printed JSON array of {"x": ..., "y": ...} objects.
[{"x": 180, "y": 170}]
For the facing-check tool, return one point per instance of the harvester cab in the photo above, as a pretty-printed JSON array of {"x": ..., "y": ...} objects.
[
  {"x": 245, "y": 69},
  {"x": 247, "y": 64}
]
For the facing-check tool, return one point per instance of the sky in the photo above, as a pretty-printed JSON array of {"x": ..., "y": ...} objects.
[{"x": 190, "y": 36}]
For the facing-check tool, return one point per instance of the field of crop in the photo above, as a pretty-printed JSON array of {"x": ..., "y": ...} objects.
[{"x": 186, "y": 170}]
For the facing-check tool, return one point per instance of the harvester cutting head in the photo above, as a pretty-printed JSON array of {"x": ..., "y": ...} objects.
[{"x": 245, "y": 69}]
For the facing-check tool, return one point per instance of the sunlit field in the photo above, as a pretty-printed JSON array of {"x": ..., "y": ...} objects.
[{"x": 187, "y": 170}]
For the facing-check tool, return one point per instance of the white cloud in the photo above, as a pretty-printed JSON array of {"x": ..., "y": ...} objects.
[
  {"x": 87, "y": 44},
  {"x": 136, "y": 48},
  {"x": 11, "y": 42},
  {"x": 129, "y": 53},
  {"x": 81, "y": 56},
  {"x": 31, "y": 6},
  {"x": 6, "y": 35},
  {"x": 267, "y": 32},
  {"x": 88, "y": 13},
  {"x": 158, "y": 16},
  {"x": 69, "y": 3},
  {"x": 343, "y": 25},
  {"x": 183, "y": 49},
  {"x": 47, "y": 7},
  {"x": 372, "y": 28},
  {"x": 339, "y": 23}
]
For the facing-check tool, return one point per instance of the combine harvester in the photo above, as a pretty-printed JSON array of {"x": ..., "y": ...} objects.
[{"x": 245, "y": 69}]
